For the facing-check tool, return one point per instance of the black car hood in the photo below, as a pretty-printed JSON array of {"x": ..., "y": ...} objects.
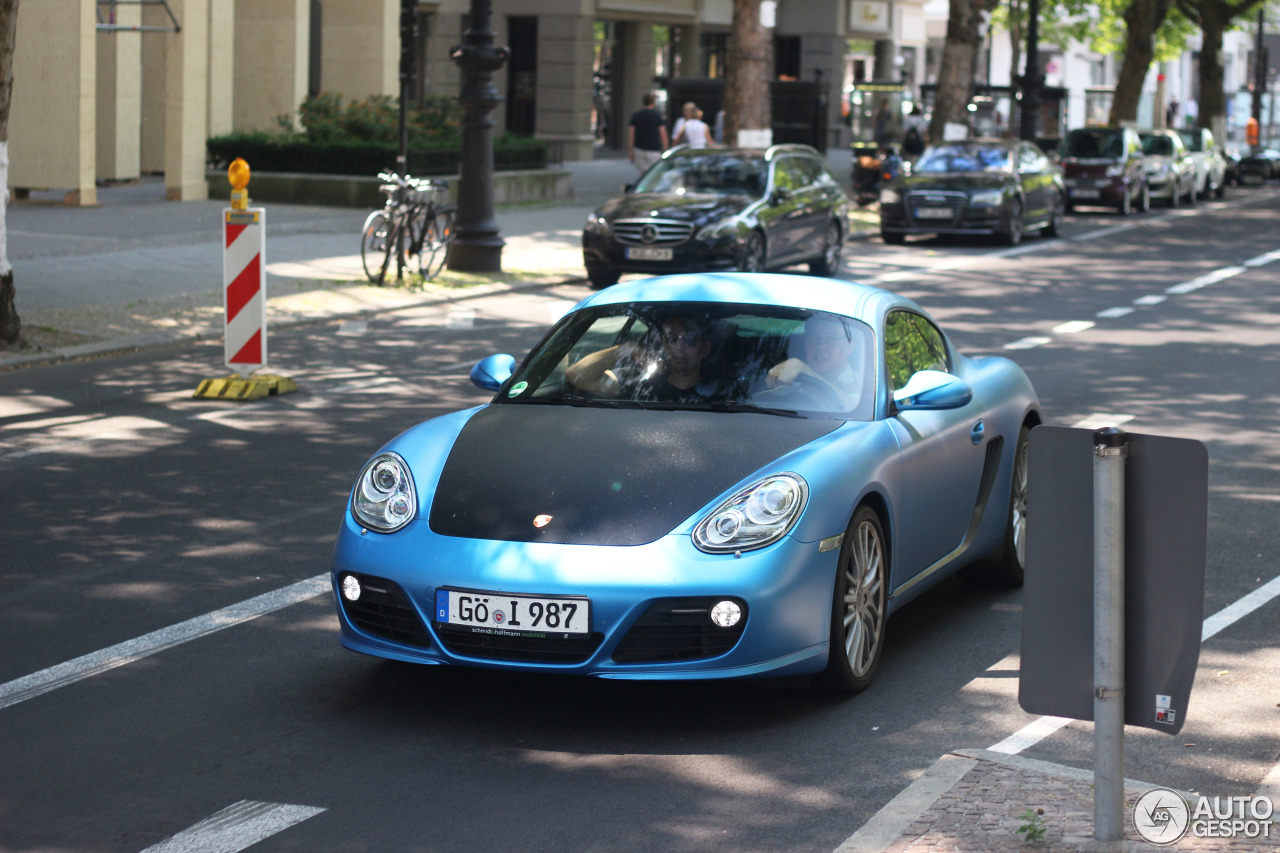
[
  {"x": 698, "y": 209},
  {"x": 604, "y": 476},
  {"x": 962, "y": 181}
]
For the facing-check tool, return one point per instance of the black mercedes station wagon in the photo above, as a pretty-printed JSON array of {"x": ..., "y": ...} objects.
[{"x": 707, "y": 209}]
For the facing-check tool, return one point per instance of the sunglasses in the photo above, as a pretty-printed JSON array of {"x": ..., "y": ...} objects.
[{"x": 687, "y": 339}]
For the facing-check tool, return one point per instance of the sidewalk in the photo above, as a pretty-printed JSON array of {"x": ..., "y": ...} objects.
[{"x": 138, "y": 270}]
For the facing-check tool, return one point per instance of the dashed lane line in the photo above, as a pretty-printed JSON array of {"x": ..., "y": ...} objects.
[{"x": 235, "y": 828}]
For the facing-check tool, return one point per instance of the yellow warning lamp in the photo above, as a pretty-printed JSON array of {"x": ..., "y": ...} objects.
[{"x": 238, "y": 175}]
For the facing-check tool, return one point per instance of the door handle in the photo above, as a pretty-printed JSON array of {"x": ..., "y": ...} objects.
[{"x": 975, "y": 434}]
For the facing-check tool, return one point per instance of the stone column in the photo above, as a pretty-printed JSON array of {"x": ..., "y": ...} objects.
[
  {"x": 186, "y": 116},
  {"x": 271, "y": 40},
  {"x": 564, "y": 86},
  {"x": 119, "y": 108},
  {"x": 222, "y": 44},
  {"x": 360, "y": 48},
  {"x": 52, "y": 119}
]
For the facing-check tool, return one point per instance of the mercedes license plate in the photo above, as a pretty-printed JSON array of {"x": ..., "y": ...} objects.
[
  {"x": 503, "y": 613},
  {"x": 648, "y": 254},
  {"x": 933, "y": 213},
  {"x": 1085, "y": 193}
]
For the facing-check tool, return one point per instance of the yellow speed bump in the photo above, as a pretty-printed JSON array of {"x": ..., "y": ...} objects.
[{"x": 244, "y": 388}]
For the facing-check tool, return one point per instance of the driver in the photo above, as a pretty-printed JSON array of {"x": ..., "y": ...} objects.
[
  {"x": 674, "y": 376},
  {"x": 828, "y": 344}
]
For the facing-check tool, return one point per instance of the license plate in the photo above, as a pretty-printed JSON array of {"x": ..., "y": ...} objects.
[
  {"x": 1081, "y": 193},
  {"x": 933, "y": 213},
  {"x": 649, "y": 254},
  {"x": 517, "y": 614}
]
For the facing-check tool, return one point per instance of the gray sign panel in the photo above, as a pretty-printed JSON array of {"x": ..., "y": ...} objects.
[{"x": 1165, "y": 520}]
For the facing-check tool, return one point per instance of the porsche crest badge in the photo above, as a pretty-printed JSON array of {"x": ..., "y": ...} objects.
[{"x": 541, "y": 520}]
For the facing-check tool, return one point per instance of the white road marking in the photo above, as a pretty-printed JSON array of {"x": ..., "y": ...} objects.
[
  {"x": 47, "y": 680},
  {"x": 1037, "y": 731},
  {"x": 1263, "y": 260},
  {"x": 460, "y": 318},
  {"x": 1112, "y": 313},
  {"x": 1074, "y": 327},
  {"x": 353, "y": 327},
  {"x": 1029, "y": 343},
  {"x": 1150, "y": 300},
  {"x": 1206, "y": 280},
  {"x": 235, "y": 828},
  {"x": 1098, "y": 420}
]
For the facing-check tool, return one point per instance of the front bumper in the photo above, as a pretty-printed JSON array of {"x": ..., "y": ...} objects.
[
  {"x": 1103, "y": 192},
  {"x": 785, "y": 591},
  {"x": 693, "y": 255},
  {"x": 898, "y": 219}
]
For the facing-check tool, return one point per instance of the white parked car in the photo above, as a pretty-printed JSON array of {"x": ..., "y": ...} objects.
[
  {"x": 1211, "y": 162},
  {"x": 1171, "y": 173}
]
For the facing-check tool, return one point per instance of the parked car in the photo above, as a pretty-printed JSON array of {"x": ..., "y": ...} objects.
[
  {"x": 986, "y": 186},
  {"x": 1171, "y": 173},
  {"x": 1233, "y": 157},
  {"x": 711, "y": 209},
  {"x": 1262, "y": 165},
  {"x": 586, "y": 522},
  {"x": 1102, "y": 167},
  {"x": 1211, "y": 163}
]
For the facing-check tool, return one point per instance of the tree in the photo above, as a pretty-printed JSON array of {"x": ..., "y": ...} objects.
[
  {"x": 746, "y": 84},
  {"x": 1142, "y": 19},
  {"x": 959, "y": 58},
  {"x": 10, "y": 325},
  {"x": 1213, "y": 17}
]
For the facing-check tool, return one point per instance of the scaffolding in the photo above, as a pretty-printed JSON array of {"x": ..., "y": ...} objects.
[{"x": 110, "y": 25}]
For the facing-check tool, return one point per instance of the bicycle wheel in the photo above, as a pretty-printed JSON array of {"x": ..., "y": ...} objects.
[
  {"x": 435, "y": 248},
  {"x": 373, "y": 245}
]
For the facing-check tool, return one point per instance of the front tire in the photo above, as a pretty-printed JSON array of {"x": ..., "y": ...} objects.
[
  {"x": 1007, "y": 566},
  {"x": 832, "y": 249},
  {"x": 1126, "y": 203},
  {"x": 1012, "y": 235},
  {"x": 858, "y": 609},
  {"x": 1054, "y": 228},
  {"x": 373, "y": 245},
  {"x": 602, "y": 277},
  {"x": 751, "y": 256},
  {"x": 893, "y": 239}
]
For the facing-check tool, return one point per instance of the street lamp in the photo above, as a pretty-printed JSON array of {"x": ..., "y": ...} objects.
[{"x": 477, "y": 248}]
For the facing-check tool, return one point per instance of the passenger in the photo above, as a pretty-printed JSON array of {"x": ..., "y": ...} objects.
[{"x": 828, "y": 344}]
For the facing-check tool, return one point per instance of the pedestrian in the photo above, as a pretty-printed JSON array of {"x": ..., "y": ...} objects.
[
  {"x": 913, "y": 138},
  {"x": 694, "y": 132},
  {"x": 881, "y": 124},
  {"x": 686, "y": 112},
  {"x": 647, "y": 135}
]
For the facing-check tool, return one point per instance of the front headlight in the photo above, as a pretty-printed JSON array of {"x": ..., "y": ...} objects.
[
  {"x": 987, "y": 198},
  {"x": 1115, "y": 171},
  {"x": 719, "y": 230},
  {"x": 597, "y": 224},
  {"x": 384, "y": 499},
  {"x": 888, "y": 196},
  {"x": 757, "y": 516}
]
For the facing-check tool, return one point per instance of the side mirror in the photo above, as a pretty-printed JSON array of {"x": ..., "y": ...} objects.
[
  {"x": 932, "y": 390},
  {"x": 626, "y": 188},
  {"x": 489, "y": 373},
  {"x": 781, "y": 194}
]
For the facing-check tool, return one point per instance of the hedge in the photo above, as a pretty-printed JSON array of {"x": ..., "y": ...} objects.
[{"x": 266, "y": 153}]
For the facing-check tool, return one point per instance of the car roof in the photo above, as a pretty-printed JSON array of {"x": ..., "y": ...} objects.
[
  {"x": 769, "y": 153},
  {"x": 851, "y": 299}
]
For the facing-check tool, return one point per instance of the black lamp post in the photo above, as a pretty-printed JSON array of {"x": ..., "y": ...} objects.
[
  {"x": 1033, "y": 80},
  {"x": 477, "y": 248}
]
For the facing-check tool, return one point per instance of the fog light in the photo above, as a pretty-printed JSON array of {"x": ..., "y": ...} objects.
[
  {"x": 351, "y": 588},
  {"x": 726, "y": 614}
]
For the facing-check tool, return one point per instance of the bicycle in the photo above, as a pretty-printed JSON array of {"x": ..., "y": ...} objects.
[{"x": 411, "y": 224}]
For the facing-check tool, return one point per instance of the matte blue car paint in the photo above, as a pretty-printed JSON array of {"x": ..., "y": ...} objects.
[{"x": 788, "y": 585}]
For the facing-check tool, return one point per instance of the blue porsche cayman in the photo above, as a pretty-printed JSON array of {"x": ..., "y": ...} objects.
[{"x": 693, "y": 477}]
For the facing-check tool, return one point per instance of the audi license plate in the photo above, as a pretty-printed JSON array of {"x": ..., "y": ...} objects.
[
  {"x": 643, "y": 254},
  {"x": 933, "y": 213},
  {"x": 500, "y": 612},
  {"x": 1086, "y": 193}
]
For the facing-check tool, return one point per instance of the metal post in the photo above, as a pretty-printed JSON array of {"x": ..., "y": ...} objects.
[
  {"x": 1259, "y": 72},
  {"x": 1110, "y": 449},
  {"x": 478, "y": 248},
  {"x": 408, "y": 40}
]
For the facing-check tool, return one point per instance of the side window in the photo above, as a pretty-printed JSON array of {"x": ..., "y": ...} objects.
[
  {"x": 1028, "y": 162},
  {"x": 912, "y": 344},
  {"x": 788, "y": 175}
]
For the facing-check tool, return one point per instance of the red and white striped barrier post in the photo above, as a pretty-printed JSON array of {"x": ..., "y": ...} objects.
[{"x": 244, "y": 298}]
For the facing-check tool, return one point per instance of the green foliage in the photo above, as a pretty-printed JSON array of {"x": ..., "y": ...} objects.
[
  {"x": 362, "y": 138},
  {"x": 1096, "y": 23},
  {"x": 1032, "y": 829}
]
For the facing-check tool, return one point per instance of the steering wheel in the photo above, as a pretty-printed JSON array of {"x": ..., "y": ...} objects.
[{"x": 821, "y": 392}]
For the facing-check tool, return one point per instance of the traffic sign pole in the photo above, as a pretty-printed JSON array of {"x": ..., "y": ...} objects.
[{"x": 1110, "y": 451}]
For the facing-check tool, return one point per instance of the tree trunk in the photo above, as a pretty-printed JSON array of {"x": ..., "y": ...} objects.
[
  {"x": 10, "y": 324},
  {"x": 1213, "y": 101},
  {"x": 746, "y": 85},
  {"x": 955, "y": 75},
  {"x": 1015, "y": 58},
  {"x": 1142, "y": 19}
]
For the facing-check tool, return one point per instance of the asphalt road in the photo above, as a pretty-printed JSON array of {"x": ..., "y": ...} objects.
[{"x": 140, "y": 528}]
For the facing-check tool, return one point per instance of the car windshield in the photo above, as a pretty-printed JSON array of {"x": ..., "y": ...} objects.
[
  {"x": 1161, "y": 146},
  {"x": 1094, "y": 144},
  {"x": 702, "y": 356},
  {"x": 964, "y": 158},
  {"x": 717, "y": 173}
]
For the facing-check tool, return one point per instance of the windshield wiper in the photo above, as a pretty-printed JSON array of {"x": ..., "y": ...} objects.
[{"x": 736, "y": 406}]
